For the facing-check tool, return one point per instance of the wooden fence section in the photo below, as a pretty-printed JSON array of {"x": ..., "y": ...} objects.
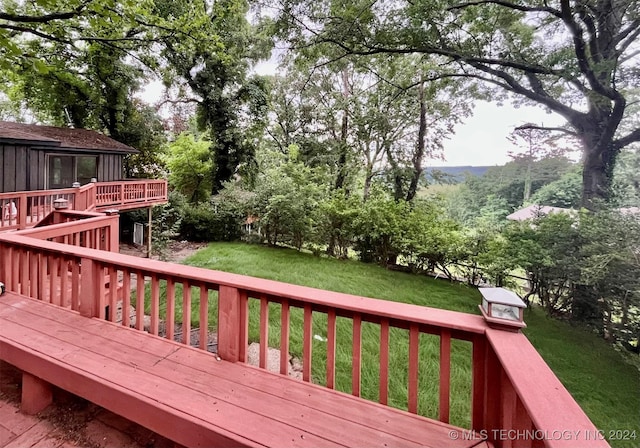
[
  {"x": 504, "y": 365},
  {"x": 130, "y": 194}
]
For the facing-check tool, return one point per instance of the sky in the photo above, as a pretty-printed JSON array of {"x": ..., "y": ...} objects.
[{"x": 482, "y": 139}]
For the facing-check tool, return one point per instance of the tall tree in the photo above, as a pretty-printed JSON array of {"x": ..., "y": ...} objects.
[
  {"x": 574, "y": 58},
  {"x": 214, "y": 67}
]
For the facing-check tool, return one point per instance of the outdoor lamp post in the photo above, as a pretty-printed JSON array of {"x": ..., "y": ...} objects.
[{"x": 502, "y": 308}]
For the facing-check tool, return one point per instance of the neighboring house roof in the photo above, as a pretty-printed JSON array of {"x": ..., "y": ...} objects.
[
  {"x": 63, "y": 138},
  {"x": 630, "y": 211},
  {"x": 535, "y": 211}
]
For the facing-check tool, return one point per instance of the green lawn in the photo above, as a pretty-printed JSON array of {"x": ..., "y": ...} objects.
[{"x": 607, "y": 388}]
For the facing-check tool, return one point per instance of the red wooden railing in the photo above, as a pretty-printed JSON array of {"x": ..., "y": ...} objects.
[
  {"x": 515, "y": 399},
  {"x": 21, "y": 210},
  {"x": 26, "y": 208},
  {"x": 130, "y": 193}
]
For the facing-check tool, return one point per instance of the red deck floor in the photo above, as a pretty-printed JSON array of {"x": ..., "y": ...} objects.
[{"x": 69, "y": 422}]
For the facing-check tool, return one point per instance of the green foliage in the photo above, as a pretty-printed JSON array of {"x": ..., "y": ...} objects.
[
  {"x": 335, "y": 223},
  {"x": 207, "y": 222},
  {"x": 626, "y": 180},
  {"x": 567, "y": 57},
  {"x": 167, "y": 219},
  {"x": 564, "y": 192},
  {"x": 287, "y": 195},
  {"x": 190, "y": 166}
]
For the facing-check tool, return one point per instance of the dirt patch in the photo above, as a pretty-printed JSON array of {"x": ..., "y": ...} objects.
[{"x": 175, "y": 252}]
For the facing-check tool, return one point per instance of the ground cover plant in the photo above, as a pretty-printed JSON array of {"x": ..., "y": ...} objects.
[{"x": 596, "y": 375}]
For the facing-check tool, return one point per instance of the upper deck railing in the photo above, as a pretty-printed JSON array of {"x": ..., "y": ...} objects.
[
  {"x": 510, "y": 395},
  {"x": 24, "y": 209}
]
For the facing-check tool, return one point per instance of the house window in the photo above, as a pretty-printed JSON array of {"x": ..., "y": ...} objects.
[
  {"x": 86, "y": 168},
  {"x": 65, "y": 170}
]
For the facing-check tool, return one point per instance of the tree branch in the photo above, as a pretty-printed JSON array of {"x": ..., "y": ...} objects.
[
  {"x": 509, "y": 5},
  {"x": 24, "y": 29},
  {"x": 627, "y": 139},
  {"x": 581, "y": 53},
  {"x": 42, "y": 19},
  {"x": 546, "y": 128}
]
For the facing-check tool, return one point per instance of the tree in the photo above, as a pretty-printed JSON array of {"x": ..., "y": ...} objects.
[
  {"x": 575, "y": 59},
  {"x": 213, "y": 66},
  {"x": 189, "y": 162}
]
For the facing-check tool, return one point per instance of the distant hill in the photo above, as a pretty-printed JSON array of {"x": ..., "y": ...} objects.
[{"x": 453, "y": 174}]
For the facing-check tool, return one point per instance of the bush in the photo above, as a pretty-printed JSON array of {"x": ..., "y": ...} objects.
[{"x": 207, "y": 222}]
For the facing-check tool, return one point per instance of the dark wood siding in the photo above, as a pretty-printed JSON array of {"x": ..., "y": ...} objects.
[
  {"x": 109, "y": 167},
  {"x": 23, "y": 168},
  {"x": 14, "y": 175}
]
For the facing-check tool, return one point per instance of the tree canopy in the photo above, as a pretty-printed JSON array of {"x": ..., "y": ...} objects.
[{"x": 577, "y": 58}]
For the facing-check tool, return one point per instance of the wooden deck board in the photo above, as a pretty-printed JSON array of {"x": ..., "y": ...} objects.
[
  {"x": 248, "y": 402},
  {"x": 249, "y": 382}
]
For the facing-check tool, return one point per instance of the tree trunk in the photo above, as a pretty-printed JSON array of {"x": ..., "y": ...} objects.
[
  {"x": 420, "y": 147},
  {"x": 344, "y": 147},
  {"x": 597, "y": 174}
]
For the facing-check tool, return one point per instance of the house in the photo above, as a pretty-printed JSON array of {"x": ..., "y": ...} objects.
[
  {"x": 35, "y": 157},
  {"x": 536, "y": 211}
]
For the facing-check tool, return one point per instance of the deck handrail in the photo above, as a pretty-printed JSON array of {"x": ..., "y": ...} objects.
[
  {"x": 23, "y": 209},
  {"x": 505, "y": 366},
  {"x": 130, "y": 192}
]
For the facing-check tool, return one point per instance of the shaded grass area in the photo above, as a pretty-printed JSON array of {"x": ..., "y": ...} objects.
[{"x": 606, "y": 387}]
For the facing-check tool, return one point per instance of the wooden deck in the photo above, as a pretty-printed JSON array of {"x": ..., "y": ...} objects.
[
  {"x": 24, "y": 209},
  {"x": 512, "y": 389},
  {"x": 192, "y": 397}
]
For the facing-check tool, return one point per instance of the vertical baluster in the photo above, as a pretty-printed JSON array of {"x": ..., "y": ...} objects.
[
  {"x": 508, "y": 399},
  {"x": 445, "y": 375},
  {"x": 356, "y": 355},
  {"x": 384, "y": 361},
  {"x": 126, "y": 298},
  {"x": 53, "y": 284},
  {"x": 140, "y": 292},
  {"x": 243, "y": 324},
  {"x": 155, "y": 304},
  {"x": 523, "y": 423},
  {"x": 15, "y": 272},
  {"x": 64, "y": 283},
  {"x": 24, "y": 272},
  {"x": 171, "y": 308},
  {"x": 414, "y": 341},
  {"x": 307, "y": 341},
  {"x": 331, "y": 349},
  {"x": 186, "y": 313},
  {"x": 7, "y": 254},
  {"x": 478, "y": 384},
  {"x": 75, "y": 285},
  {"x": 33, "y": 274},
  {"x": 284, "y": 337},
  {"x": 42, "y": 276},
  {"x": 113, "y": 293},
  {"x": 204, "y": 316},
  {"x": 264, "y": 332},
  {"x": 101, "y": 280}
]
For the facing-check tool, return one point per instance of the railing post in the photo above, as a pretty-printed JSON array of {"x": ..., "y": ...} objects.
[
  {"x": 22, "y": 211},
  {"x": 90, "y": 302},
  {"x": 232, "y": 324},
  {"x": 113, "y": 231}
]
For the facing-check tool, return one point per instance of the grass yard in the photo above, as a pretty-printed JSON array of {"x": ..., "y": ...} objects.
[{"x": 607, "y": 388}]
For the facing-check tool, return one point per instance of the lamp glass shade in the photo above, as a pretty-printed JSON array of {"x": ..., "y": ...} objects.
[{"x": 505, "y": 312}]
